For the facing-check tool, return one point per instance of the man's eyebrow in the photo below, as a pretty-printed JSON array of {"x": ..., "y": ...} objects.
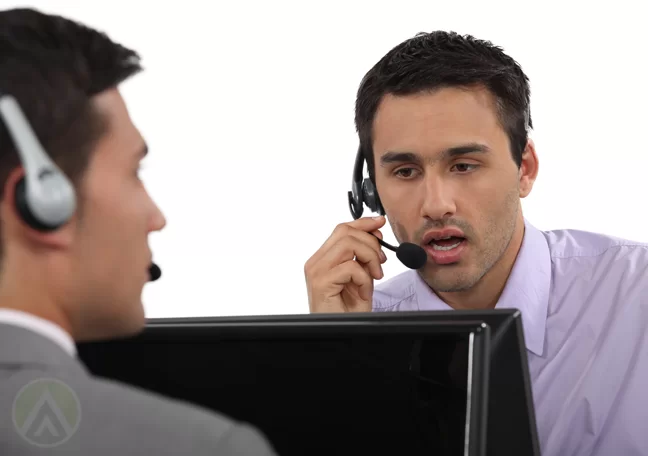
[
  {"x": 465, "y": 149},
  {"x": 400, "y": 157},
  {"x": 452, "y": 152}
]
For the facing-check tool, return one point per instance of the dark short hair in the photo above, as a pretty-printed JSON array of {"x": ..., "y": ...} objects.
[
  {"x": 439, "y": 59},
  {"x": 53, "y": 66}
]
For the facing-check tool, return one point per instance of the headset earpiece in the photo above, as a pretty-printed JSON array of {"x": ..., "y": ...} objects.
[
  {"x": 370, "y": 196},
  {"x": 363, "y": 190},
  {"x": 44, "y": 197},
  {"x": 54, "y": 211},
  {"x": 22, "y": 206}
]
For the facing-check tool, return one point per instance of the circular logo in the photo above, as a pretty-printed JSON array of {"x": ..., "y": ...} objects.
[{"x": 46, "y": 412}]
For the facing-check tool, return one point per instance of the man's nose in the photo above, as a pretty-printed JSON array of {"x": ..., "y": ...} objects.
[{"x": 438, "y": 201}]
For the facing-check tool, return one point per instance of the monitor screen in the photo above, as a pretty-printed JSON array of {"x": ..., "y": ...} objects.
[{"x": 317, "y": 387}]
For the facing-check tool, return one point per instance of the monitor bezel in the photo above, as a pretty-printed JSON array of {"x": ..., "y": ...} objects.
[{"x": 477, "y": 332}]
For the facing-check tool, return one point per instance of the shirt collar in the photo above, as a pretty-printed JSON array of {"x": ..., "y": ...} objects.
[
  {"x": 527, "y": 288},
  {"x": 40, "y": 326}
]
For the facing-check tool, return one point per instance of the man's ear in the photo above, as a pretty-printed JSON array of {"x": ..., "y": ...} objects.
[
  {"x": 528, "y": 169},
  {"x": 16, "y": 227}
]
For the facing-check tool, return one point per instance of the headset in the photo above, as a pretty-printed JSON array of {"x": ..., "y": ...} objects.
[
  {"x": 363, "y": 190},
  {"x": 45, "y": 198}
]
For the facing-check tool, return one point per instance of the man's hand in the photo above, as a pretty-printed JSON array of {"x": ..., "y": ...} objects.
[{"x": 340, "y": 275}]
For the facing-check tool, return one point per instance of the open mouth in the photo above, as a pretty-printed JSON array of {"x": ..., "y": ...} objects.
[{"x": 446, "y": 243}]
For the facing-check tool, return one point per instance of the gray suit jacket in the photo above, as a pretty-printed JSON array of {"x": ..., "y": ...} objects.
[{"x": 50, "y": 404}]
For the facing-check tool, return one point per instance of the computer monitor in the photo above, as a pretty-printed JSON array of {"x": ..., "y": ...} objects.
[{"x": 416, "y": 383}]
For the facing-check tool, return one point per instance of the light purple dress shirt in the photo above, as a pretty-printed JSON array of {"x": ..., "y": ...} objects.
[{"x": 584, "y": 304}]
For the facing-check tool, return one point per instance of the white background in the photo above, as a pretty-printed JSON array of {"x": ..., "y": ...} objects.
[{"x": 248, "y": 109}]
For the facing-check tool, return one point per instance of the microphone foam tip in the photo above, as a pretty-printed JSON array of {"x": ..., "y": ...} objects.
[{"x": 411, "y": 255}]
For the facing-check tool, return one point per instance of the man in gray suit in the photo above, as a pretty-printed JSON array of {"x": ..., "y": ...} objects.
[{"x": 83, "y": 280}]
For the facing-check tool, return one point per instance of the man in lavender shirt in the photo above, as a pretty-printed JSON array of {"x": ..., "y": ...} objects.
[{"x": 443, "y": 122}]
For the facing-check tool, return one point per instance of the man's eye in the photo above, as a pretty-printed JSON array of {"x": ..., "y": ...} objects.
[
  {"x": 464, "y": 167},
  {"x": 405, "y": 172}
]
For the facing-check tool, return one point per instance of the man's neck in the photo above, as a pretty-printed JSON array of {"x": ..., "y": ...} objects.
[
  {"x": 30, "y": 300},
  {"x": 486, "y": 293}
]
